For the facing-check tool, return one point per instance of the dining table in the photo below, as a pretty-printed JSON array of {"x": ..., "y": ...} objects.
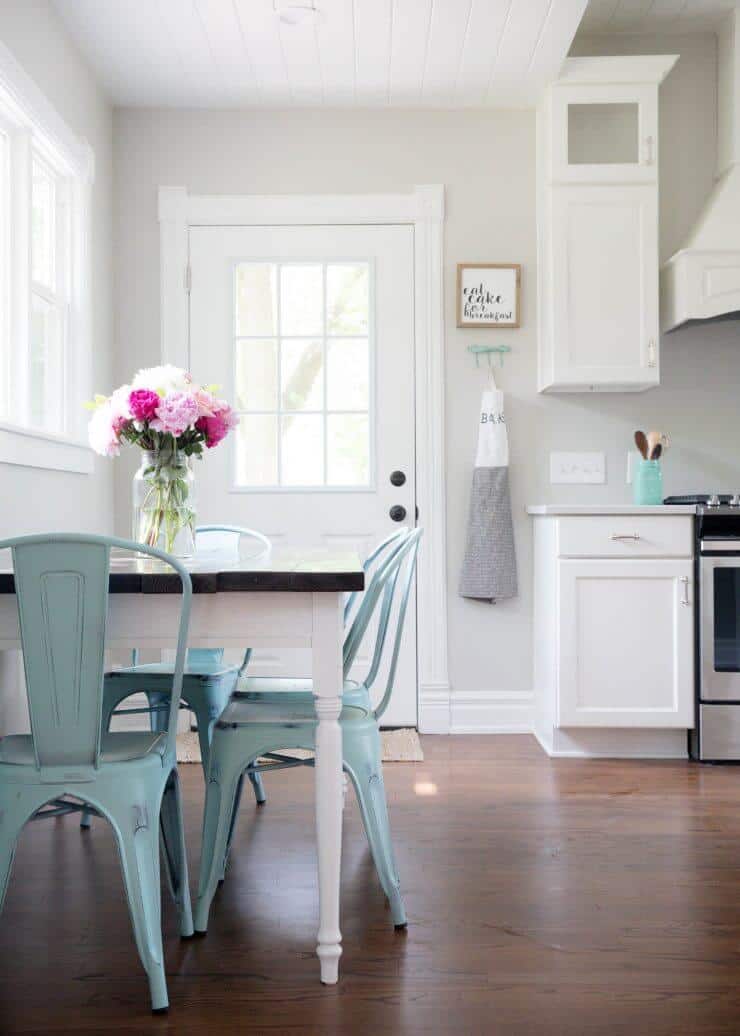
[{"x": 289, "y": 598}]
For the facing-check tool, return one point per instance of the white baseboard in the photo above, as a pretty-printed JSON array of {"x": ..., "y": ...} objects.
[
  {"x": 491, "y": 712},
  {"x": 598, "y": 743},
  {"x": 434, "y": 709}
]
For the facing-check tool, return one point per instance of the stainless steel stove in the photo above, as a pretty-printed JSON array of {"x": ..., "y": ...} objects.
[{"x": 717, "y": 558}]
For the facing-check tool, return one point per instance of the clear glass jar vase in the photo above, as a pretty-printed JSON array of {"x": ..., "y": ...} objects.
[{"x": 164, "y": 502}]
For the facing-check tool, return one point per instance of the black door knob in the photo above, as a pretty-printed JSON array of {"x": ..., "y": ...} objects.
[
  {"x": 397, "y": 478},
  {"x": 397, "y": 513}
]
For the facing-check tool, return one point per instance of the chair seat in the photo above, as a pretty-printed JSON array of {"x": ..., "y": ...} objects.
[
  {"x": 165, "y": 670},
  {"x": 116, "y": 747},
  {"x": 297, "y": 692},
  {"x": 282, "y": 709}
]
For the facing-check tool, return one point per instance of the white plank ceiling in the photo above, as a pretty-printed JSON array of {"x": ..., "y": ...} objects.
[
  {"x": 670, "y": 16},
  {"x": 390, "y": 53}
]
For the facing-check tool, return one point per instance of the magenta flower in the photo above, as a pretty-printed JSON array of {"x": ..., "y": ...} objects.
[
  {"x": 176, "y": 412},
  {"x": 143, "y": 404},
  {"x": 218, "y": 425}
]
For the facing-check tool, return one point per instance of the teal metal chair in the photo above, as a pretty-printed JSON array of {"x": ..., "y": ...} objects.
[
  {"x": 267, "y": 715},
  {"x": 61, "y": 585},
  {"x": 207, "y": 682}
]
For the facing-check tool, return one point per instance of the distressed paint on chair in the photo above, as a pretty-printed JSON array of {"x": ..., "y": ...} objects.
[
  {"x": 267, "y": 716},
  {"x": 61, "y": 584}
]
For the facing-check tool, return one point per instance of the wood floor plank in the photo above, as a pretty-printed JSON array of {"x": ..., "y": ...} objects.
[{"x": 544, "y": 896}]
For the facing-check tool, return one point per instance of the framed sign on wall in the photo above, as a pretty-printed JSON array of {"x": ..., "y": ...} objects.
[{"x": 488, "y": 294}]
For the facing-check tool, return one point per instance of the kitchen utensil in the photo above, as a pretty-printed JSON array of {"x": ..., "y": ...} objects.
[
  {"x": 656, "y": 451},
  {"x": 641, "y": 443},
  {"x": 653, "y": 438}
]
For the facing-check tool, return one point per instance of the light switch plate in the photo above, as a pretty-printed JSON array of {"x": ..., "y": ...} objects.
[{"x": 587, "y": 468}]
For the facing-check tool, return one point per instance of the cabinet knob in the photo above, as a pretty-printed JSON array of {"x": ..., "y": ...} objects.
[{"x": 397, "y": 513}]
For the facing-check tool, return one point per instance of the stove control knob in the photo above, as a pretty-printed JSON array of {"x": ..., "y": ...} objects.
[{"x": 713, "y": 501}]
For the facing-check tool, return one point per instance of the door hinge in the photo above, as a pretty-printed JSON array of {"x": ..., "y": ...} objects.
[
  {"x": 188, "y": 279},
  {"x": 651, "y": 353}
]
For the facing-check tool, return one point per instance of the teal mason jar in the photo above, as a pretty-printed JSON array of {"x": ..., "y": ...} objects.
[{"x": 648, "y": 483}]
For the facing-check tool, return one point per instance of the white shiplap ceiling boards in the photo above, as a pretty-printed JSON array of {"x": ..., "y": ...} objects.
[
  {"x": 654, "y": 16},
  {"x": 362, "y": 53}
]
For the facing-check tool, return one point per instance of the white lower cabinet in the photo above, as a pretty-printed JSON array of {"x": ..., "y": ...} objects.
[{"x": 625, "y": 654}]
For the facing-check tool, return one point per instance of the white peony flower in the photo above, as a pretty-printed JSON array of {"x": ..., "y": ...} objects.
[{"x": 163, "y": 380}]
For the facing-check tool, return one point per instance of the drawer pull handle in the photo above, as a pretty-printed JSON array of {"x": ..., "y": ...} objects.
[
  {"x": 685, "y": 599},
  {"x": 625, "y": 536}
]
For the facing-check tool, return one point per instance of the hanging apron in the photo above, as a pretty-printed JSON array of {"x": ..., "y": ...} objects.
[{"x": 489, "y": 566}]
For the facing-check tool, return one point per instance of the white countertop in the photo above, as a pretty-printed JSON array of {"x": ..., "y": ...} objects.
[{"x": 586, "y": 509}]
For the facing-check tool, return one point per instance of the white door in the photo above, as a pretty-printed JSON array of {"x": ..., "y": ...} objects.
[
  {"x": 626, "y": 635},
  {"x": 310, "y": 331},
  {"x": 605, "y": 285}
]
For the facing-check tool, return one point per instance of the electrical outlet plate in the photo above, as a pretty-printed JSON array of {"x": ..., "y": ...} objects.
[{"x": 572, "y": 468}]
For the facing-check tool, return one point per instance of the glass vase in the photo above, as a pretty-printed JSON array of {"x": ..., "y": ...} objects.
[
  {"x": 648, "y": 483},
  {"x": 164, "y": 502}
]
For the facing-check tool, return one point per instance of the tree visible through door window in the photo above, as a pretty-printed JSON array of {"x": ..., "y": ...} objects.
[{"x": 302, "y": 359}]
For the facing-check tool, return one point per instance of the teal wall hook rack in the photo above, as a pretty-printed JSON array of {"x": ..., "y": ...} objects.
[{"x": 488, "y": 350}]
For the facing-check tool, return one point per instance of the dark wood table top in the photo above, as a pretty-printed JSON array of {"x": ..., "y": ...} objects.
[{"x": 287, "y": 570}]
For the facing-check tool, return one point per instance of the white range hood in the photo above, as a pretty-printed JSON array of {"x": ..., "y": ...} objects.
[{"x": 702, "y": 280}]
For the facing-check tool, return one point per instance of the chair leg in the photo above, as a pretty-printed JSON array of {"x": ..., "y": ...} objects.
[
  {"x": 259, "y": 788},
  {"x": 136, "y": 824},
  {"x": 14, "y": 813},
  {"x": 173, "y": 847},
  {"x": 362, "y": 756},
  {"x": 221, "y": 792}
]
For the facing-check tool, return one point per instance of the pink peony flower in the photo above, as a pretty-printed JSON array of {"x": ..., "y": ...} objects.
[
  {"x": 206, "y": 402},
  {"x": 104, "y": 430},
  {"x": 176, "y": 412},
  {"x": 143, "y": 404},
  {"x": 218, "y": 425}
]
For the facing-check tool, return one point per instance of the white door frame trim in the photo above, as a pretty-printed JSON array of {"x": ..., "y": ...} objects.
[{"x": 422, "y": 208}]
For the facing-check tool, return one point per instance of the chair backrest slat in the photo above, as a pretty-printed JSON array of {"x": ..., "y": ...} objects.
[
  {"x": 382, "y": 590},
  {"x": 61, "y": 584}
]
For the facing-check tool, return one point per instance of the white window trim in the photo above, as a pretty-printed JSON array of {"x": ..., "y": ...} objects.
[
  {"x": 423, "y": 209},
  {"x": 39, "y": 126}
]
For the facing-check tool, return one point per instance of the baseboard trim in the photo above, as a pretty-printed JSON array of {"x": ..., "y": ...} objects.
[
  {"x": 434, "y": 709},
  {"x": 491, "y": 712},
  {"x": 597, "y": 743}
]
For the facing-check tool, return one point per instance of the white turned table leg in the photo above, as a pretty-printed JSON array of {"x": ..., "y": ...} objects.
[{"x": 327, "y": 641}]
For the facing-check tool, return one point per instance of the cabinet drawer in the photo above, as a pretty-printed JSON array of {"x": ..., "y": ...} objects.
[{"x": 626, "y": 536}]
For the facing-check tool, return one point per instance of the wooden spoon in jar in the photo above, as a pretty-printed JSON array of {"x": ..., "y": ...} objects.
[
  {"x": 653, "y": 439},
  {"x": 642, "y": 444}
]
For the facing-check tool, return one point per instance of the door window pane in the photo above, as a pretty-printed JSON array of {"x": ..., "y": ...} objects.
[
  {"x": 257, "y": 450},
  {"x": 256, "y": 374},
  {"x": 302, "y": 450},
  {"x": 301, "y": 299},
  {"x": 43, "y": 204},
  {"x": 303, "y": 389},
  {"x": 347, "y": 449},
  {"x": 256, "y": 299},
  {"x": 302, "y": 372},
  {"x": 347, "y": 308},
  {"x": 347, "y": 380}
]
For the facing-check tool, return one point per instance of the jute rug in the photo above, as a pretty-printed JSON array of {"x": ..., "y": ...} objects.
[{"x": 399, "y": 746}]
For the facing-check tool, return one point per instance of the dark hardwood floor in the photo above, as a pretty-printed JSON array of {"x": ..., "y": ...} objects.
[{"x": 544, "y": 896}]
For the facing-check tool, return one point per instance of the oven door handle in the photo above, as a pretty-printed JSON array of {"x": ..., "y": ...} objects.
[{"x": 719, "y": 546}]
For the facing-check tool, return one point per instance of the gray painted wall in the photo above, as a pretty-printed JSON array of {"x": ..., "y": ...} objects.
[{"x": 487, "y": 162}]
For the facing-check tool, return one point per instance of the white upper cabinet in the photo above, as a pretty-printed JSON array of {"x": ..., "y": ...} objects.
[
  {"x": 604, "y": 133},
  {"x": 598, "y": 226},
  {"x": 605, "y": 287}
]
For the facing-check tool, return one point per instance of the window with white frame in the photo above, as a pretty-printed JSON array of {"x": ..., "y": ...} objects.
[
  {"x": 302, "y": 374},
  {"x": 45, "y": 175}
]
